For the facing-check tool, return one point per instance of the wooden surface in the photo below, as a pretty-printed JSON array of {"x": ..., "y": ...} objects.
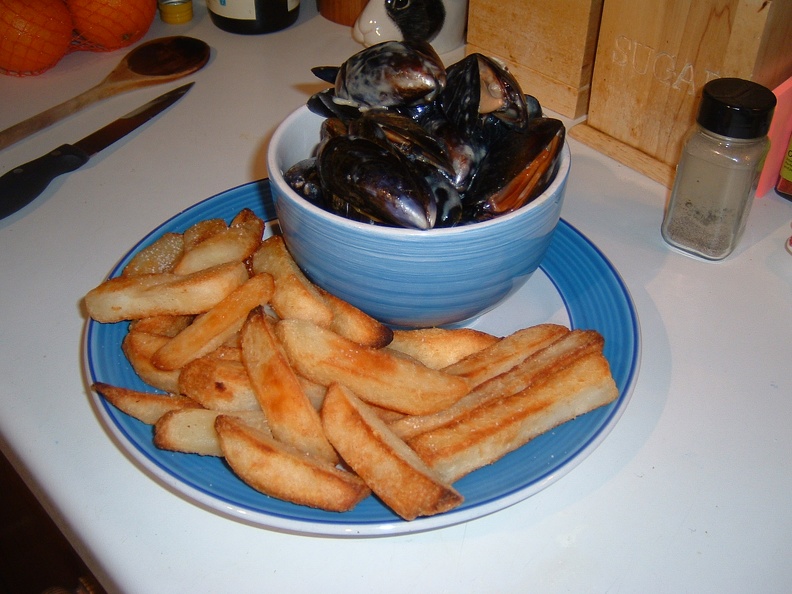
[
  {"x": 344, "y": 12},
  {"x": 625, "y": 154},
  {"x": 654, "y": 56},
  {"x": 549, "y": 46}
]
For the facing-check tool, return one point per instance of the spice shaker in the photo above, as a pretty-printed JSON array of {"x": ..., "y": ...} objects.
[{"x": 719, "y": 169}]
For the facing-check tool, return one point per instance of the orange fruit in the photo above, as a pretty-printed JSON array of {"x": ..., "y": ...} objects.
[
  {"x": 34, "y": 35},
  {"x": 112, "y": 24}
]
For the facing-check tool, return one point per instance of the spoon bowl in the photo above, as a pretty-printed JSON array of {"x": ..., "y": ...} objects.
[{"x": 151, "y": 63}]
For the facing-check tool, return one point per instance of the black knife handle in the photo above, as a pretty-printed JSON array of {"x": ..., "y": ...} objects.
[{"x": 23, "y": 184}]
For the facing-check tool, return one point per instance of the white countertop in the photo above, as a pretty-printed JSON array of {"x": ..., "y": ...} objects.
[{"x": 690, "y": 491}]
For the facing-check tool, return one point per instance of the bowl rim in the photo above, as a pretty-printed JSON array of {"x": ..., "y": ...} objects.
[{"x": 277, "y": 180}]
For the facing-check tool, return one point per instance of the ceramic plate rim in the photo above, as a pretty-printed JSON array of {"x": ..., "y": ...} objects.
[{"x": 113, "y": 420}]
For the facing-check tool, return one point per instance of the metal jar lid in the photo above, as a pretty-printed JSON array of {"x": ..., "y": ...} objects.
[
  {"x": 736, "y": 108},
  {"x": 176, "y": 12}
]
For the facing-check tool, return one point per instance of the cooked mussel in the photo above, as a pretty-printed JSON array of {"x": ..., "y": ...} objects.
[
  {"x": 407, "y": 142},
  {"x": 478, "y": 89},
  {"x": 517, "y": 168},
  {"x": 377, "y": 181},
  {"x": 390, "y": 74}
]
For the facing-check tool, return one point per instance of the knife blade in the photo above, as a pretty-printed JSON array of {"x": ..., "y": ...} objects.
[{"x": 25, "y": 183}]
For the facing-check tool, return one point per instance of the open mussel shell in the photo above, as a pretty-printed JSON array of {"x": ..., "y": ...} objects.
[{"x": 517, "y": 168}]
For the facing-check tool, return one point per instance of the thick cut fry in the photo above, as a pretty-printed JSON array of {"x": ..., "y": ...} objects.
[
  {"x": 168, "y": 326},
  {"x": 139, "y": 348},
  {"x": 391, "y": 469},
  {"x": 160, "y": 256},
  {"x": 315, "y": 392},
  {"x": 295, "y": 296},
  {"x": 132, "y": 297},
  {"x": 192, "y": 430},
  {"x": 209, "y": 331},
  {"x": 227, "y": 353},
  {"x": 505, "y": 354},
  {"x": 201, "y": 231},
  {"x": 500, "y": 426},
  {"x": 144, "y": 406},
  {"x": 440, "y": 347},
  {"x": 236, "y": 243},
  {"x": 536, "y": 365},
  {"x": 375, "y": 375},
  {"x": 292, "y": 418},
  {"x": 281, "y": 471},
  {"x": 354, "y": 324},
  {"x": 218, "y": 384}
]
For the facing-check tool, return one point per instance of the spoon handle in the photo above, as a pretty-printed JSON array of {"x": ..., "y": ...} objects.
[{"x": 54, "y": 114}]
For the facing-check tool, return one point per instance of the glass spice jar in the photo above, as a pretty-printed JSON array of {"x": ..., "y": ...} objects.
[{"x": 719, "y": 168}]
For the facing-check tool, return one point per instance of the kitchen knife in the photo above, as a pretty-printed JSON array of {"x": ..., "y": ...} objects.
[{"x": 23, "y": 184}]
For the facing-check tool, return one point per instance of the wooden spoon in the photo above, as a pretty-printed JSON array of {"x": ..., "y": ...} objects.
[{"x": 151, "y": 63}]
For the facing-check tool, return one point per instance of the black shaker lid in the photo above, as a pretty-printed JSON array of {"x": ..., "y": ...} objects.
[{"x": 736, "y": 108}]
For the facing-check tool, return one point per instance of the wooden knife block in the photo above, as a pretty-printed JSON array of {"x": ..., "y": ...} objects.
[
  {"x": 548, "y": 46},
  {"x": 653, "y": 58}
]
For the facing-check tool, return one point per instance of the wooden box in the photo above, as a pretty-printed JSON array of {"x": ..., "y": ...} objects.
[
  {"x": 653, "y": 58},
  {"x": 548, "y": 45}
]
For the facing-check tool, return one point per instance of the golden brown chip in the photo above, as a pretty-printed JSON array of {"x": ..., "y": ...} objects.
[
  {"x": 505, "y": 354},
  {"x": 440, "y": 347},
  {"x": 139, "y": 348},
  {"x": 147, "y": 295},
  {"x": 354, "y": 324},
  {"x": 192, "y": 430},
  {"x": 375, "y": 375},
  {"x": 166, "y": 325},
  {"x": 536, "y": 366},
  {"x": 235, "y": 243},
  {"x": 391, "y": 469},
  {"x": 292, "y": 418},
  {"x": 201, "y": 231},
  {"x": 502, "y": 425},
  {"x": 160, "y": 256},
  {"x": 144, "y": 406},
  {"x": 282, "y": 471},
  {"x": 295, "y": 296},
  {"x": 210, "y": 330},
  {"x": 218, "y": 384}
]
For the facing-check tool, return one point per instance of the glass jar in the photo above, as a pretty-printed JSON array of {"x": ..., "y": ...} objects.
[
  {"x": 251, "y": 17},
  {"x": 719, "y": 168}
]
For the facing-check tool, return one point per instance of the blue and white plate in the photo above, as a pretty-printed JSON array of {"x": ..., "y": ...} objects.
[{"x": 576, "y": 285}]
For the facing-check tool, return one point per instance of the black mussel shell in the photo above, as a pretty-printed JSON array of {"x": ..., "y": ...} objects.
[
  {"x": 303, "y": 178},
  {"x": 517, "y": 168},
  {"x": 389, "y": 74},
  {"x": 405, "y": 135},
  {"x": 324, "y": 105},
  {"x": 376, "y": 181},
  {"x": 478, "y": 89}
]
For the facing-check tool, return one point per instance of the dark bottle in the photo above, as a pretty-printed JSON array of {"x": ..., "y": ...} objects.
[{"x": 251, "y": 17}]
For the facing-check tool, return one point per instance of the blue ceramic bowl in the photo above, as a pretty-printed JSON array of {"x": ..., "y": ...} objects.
[{"x": 404, "y": 277}]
